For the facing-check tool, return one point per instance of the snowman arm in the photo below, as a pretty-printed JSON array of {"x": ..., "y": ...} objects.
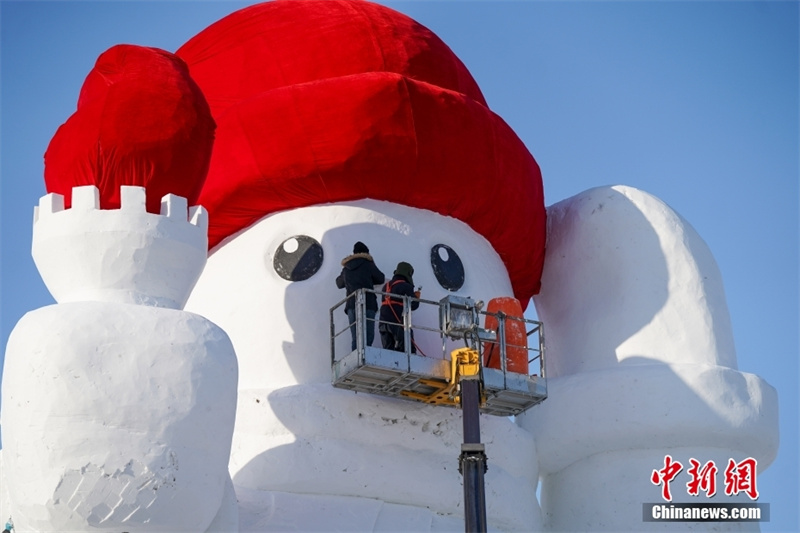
[{"x": 640, "y": 359}]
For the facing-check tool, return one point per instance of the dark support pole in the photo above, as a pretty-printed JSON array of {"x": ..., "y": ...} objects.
[{"x": 472, "y": 462}]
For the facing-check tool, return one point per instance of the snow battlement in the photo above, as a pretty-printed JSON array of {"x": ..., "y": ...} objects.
[
  {"x": 125, "y": 255},
  {"x": 87, "y": 197}
]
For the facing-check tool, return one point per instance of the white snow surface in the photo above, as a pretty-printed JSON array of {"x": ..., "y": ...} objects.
[
  {"x": 636, "y": 280},
  {"x": 297, "y": 435},
  {"x": 119, "y": 255},
  {"x": 640, "y": 363},
  {"x": 116, "y": 413},
  {"x": 118, "y": 406}
]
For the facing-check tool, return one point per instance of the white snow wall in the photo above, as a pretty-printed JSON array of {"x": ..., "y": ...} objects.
[
  {"x": 118, "y": 406},
  {"x": 640, "y": 364},
  {"x": 294, "y": 432}
]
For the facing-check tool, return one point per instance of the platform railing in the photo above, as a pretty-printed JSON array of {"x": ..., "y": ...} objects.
[{"x": 430, "y": 337}]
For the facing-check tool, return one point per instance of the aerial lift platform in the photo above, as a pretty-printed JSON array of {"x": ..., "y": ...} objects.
[
  {"x": 432, "y": 378},
  {"x": 454, "y": 376}
]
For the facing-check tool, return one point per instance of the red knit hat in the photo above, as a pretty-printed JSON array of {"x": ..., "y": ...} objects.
[{"x": 321, "y": 101}]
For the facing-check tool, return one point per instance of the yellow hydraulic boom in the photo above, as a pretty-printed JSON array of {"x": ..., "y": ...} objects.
[{"x": 464, "y": 363}]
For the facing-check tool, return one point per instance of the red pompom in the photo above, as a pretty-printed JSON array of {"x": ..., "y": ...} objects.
[{"x": 141, "y": 120}]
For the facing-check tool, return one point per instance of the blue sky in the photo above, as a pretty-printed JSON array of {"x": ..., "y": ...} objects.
[{"x": 694, "y": 102}]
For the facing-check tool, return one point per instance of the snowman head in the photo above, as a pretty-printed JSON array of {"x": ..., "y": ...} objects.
[
  {"x": 346, "y": 121},
  {"x": 281, "y": 326}
]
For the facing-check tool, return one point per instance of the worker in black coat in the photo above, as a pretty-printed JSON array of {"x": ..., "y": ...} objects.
[
  {"x": 391, "y": 319},
  {"x": 360, "y": 272}
]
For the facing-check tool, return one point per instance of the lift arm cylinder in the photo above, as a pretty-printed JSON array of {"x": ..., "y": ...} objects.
[{"x": 472, "y": 462}]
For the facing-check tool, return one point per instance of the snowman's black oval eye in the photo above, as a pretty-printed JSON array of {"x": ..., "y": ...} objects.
[
  {"x": 297, "y": 258},
  {"x": 447, "y": 267}
]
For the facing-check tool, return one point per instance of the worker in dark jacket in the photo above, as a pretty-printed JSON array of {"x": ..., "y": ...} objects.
[
  {"x": 391, "y": 326},
  {"x": 360, "y": 272}
]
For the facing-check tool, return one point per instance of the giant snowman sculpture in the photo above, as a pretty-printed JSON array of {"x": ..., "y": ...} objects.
[{"x": 337, "y": 122}]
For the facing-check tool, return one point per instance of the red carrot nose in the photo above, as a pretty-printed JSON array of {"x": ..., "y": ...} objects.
[{"x": 141, "y": 120}]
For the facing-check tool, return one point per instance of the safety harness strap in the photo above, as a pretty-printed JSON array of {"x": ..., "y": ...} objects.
[{"x": 387, "y": 299}]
